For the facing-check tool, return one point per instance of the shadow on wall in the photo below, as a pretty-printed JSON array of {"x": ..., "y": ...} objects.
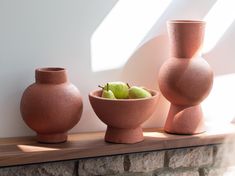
[
  {"x": 143, "y": 66},
  {"x": 182, "y": 9},
  {"x": 142, "y": 69},
  {"x": 219, "y": 106},
  {"x": 221, "y": 57},
  {"x": 62, "y": 38},
  {"x": 57, "y": 37}
]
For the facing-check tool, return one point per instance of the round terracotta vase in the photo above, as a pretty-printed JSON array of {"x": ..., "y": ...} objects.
[
  {"x": 52, "y": 105},
  {"x": 185, "y": 79},
  {"x": 123, "y": 116}
]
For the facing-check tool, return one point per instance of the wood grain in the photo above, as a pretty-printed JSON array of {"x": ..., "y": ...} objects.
[{"x": 25, "y": 150}]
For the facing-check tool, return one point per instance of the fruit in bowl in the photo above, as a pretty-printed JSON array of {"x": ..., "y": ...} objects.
[
  {"x": 120, "y": 90},
  {"x": 138, "y": 92},
  {"x": 107, "y": 93},
  {"x": 123, "y": 116}
]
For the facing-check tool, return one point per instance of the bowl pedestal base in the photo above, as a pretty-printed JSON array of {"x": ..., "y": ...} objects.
[{"x": 124, "y": 135}]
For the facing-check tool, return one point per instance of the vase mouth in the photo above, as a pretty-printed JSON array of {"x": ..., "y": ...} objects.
[
  {"x": 51, "y": 69},
  {"x": 187, "y": 21},
  {"x": 51, "y": 75},
  {"x": 186, "y": 37}
]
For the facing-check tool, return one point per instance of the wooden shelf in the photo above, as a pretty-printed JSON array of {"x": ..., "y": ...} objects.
[{"x": 25, "y": 150}]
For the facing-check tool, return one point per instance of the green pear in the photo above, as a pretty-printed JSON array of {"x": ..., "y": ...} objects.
[
  {"x": 136, "y": 92},
  {"x": 119, "y": 89},
  {"x": 107, "y": 93}
]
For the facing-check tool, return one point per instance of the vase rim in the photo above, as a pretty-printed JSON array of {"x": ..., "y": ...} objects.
[
  {"x": 186, "y": 21},
  {"x": 52, "y": 75},
  {"x": 51, "y": 69}
]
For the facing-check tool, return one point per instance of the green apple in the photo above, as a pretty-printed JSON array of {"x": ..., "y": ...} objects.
[
  {"x": 119, "y": 89},
  {"x": 136, "y": 92}
]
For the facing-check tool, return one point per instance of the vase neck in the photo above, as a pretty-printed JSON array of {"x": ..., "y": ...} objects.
[
  {"x": 186, "y": 38},
  {"x": 51, "y": 75}
]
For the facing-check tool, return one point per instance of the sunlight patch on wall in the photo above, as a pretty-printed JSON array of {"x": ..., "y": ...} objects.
[
  {"x": 219, "y": 107},
  {"x": 219, "y": 18},
  {"x": 120, "y": 33}
]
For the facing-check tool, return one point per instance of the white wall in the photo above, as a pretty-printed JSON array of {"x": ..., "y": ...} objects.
[{"x": 58, "y": 33}]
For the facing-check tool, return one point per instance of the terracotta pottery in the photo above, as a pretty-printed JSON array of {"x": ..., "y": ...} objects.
[
  {"x": 52, "y": 105},
  {"x": 123, "y": 116},
  {"x": 185, "y": 79}
]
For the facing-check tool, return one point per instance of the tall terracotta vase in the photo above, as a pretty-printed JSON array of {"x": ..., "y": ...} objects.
[
  {"x": 52, "y": 105},
  {"x": 185, "y": 79}
]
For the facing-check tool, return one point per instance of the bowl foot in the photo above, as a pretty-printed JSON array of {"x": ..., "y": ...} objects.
[
  {"x": 124, "y": 135},
  {"x": 52, "y": 138},
  {"x": 185, "y": 120}
]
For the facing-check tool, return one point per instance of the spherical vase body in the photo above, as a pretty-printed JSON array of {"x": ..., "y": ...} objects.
[
  {"x": 185, "y": 79},
  {"x": 123, "y": 117},
  {"x": 52, "y": 105}
]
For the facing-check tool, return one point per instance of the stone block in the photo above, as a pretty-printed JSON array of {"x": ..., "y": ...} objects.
[
  {"x": 101, "y": 166},
  {"x": 146, "y": 162},
  {"x": 65, "y": 168},
  {"x": 136, "y": 174},
  {"x": 190, "y": 157},
  {"x": 179, "y": 173}
]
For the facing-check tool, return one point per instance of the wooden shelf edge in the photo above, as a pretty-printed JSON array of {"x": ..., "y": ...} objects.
[{"x": 25, "y": 150}]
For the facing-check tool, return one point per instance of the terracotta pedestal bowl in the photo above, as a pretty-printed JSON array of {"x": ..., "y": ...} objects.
[{"x": 123, "y": 117}]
